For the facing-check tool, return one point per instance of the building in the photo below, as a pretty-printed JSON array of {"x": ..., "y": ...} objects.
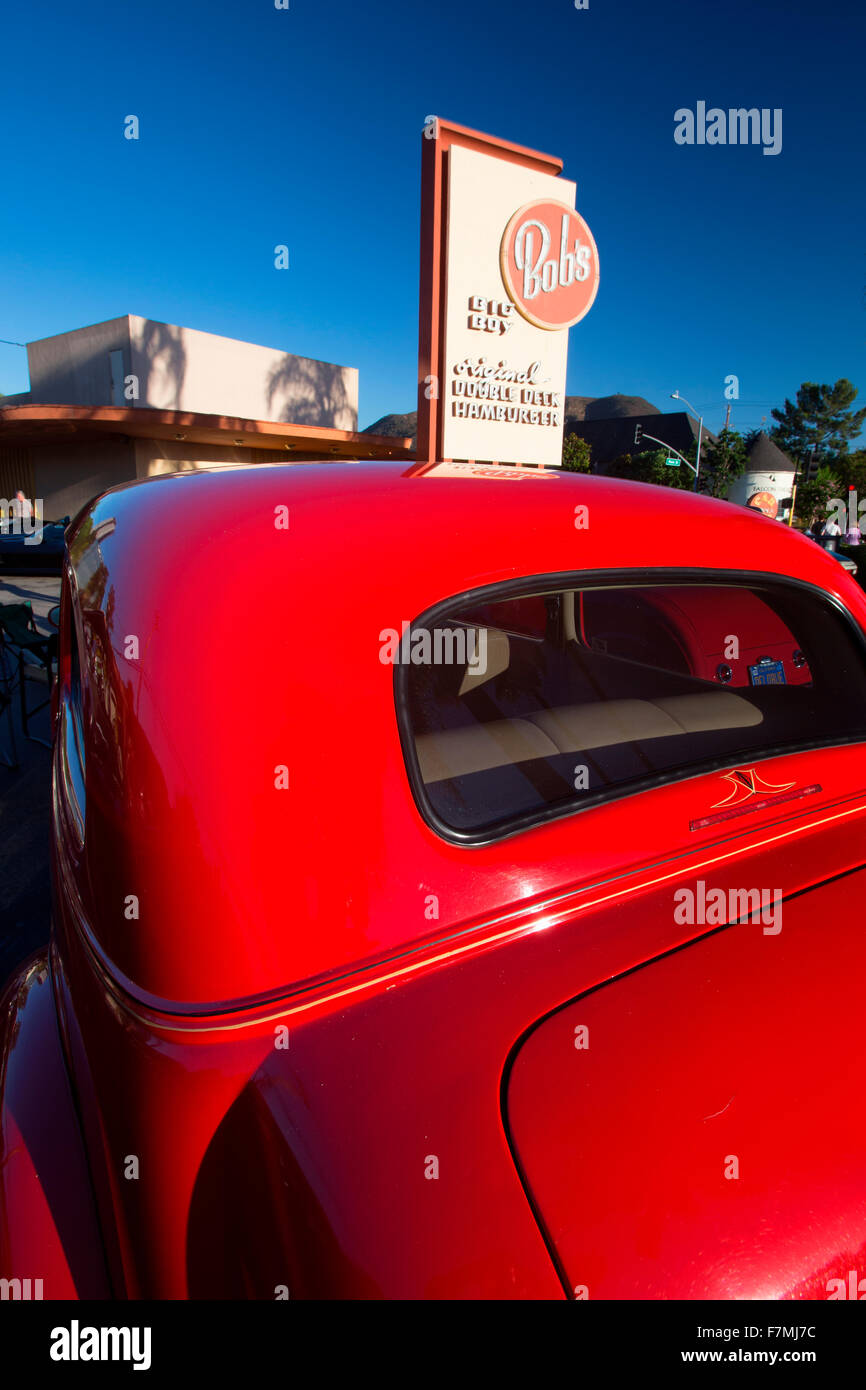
[
  {"x": 612, "y": 436},
  {"x": 131, "y": 398},
  {"x": 768, "y": 482}
]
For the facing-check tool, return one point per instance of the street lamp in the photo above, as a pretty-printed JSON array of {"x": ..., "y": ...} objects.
[{"x": 675, "y": 396}]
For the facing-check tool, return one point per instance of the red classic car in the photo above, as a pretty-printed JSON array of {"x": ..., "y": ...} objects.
[{"x": 447, "y": 903}]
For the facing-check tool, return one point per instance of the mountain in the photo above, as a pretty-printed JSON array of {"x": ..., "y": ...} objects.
[
  {"x": 612, "y": 407},
  {"x": 399, "y": 426}
]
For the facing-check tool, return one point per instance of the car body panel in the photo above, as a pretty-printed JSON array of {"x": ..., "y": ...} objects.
[
  {"x": 48, "y": 1226},
  {"x": 333, "y": 1133},
  {"x": 699, "y": 1143}
]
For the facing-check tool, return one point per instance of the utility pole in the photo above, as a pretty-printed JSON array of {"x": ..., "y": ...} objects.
[
  {"x": 728, "y": 415},
  {"x": 675, "y": 396}
]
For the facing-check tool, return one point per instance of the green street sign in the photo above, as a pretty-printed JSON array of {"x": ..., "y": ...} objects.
[{"x": 672, "y": 463}]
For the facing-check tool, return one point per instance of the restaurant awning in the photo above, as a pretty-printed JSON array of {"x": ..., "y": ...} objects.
[{"x": 43, "y": 424}]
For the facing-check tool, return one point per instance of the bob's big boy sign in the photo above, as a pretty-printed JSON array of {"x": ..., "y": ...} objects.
[
  {"x": 549, "y": 264},
  {"x": 507, "y": 267}
]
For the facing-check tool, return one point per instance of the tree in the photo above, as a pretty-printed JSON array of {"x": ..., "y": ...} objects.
[
  {"x": 851, "y": 471},
  {"x": 650, "y": 467},
  {"x": 821, "y": 420},
  {"x": 722, "y": 460},
  {"x": 668, "y": 475},
  {"x": 814, "y": 499},
  {"x": 575, "y": 454},
  {"x": 621, "y": 467}
]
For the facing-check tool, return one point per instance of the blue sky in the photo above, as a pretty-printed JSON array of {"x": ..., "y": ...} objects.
[{"x": 303, "y": 126}]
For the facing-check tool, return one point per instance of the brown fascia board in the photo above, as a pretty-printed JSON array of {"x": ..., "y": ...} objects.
[{"x": 40, "y": 423}]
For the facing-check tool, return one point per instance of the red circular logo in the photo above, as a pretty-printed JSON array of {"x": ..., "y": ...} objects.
[
  {"x": 764, "y": 502},
  {"x": 549, "y": 264}
]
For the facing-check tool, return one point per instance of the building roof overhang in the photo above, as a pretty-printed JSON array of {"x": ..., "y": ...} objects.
[{"x": 46, "y": 424}]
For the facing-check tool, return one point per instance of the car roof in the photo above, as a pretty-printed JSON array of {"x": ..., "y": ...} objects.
[
  {"x": 219, "y": 648},
  {"x": 455, "y": 532}
]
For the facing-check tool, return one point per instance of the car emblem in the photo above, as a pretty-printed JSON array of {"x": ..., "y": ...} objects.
[
  {"x": 746, "y": 783},
  {"x": 751, "y": 792}
]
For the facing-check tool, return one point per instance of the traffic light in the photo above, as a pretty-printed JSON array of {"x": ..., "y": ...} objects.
[
  {"x": 811, "y": 469},
  {"x": 638, "y": 431}
]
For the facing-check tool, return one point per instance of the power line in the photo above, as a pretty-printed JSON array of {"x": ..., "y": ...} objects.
[{"x": 10, "y": 343}]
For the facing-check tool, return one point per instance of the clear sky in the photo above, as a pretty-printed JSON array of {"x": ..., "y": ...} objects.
[{"x": 261, "y": 126}]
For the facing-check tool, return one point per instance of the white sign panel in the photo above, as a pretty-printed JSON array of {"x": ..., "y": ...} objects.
[{"x": 504, "y": 354}]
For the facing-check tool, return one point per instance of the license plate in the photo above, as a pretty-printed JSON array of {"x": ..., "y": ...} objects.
[{"x": 768, "y": 673}]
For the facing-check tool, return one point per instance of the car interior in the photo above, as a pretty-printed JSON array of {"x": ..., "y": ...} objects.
[{"x": 588, "y": 691}]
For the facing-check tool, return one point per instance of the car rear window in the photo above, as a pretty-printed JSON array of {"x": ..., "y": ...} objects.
[{"x": 527, "y": 705}]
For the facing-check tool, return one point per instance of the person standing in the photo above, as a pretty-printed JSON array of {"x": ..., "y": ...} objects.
[
  {"x": 830, "y": 533},
  {"x": 23, "y": 509}
]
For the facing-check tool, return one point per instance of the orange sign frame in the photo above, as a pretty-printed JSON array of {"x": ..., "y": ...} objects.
[{"x": 431, "y": 302}]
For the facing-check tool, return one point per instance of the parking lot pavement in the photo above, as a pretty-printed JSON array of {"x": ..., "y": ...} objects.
[{"x": 25, "y": 791}]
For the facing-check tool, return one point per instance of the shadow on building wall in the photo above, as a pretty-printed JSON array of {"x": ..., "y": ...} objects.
[
  {"x": 156, "y": 356},
  {"x": 302, "y": 391},
  {"x": 162, "y": 357}
]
